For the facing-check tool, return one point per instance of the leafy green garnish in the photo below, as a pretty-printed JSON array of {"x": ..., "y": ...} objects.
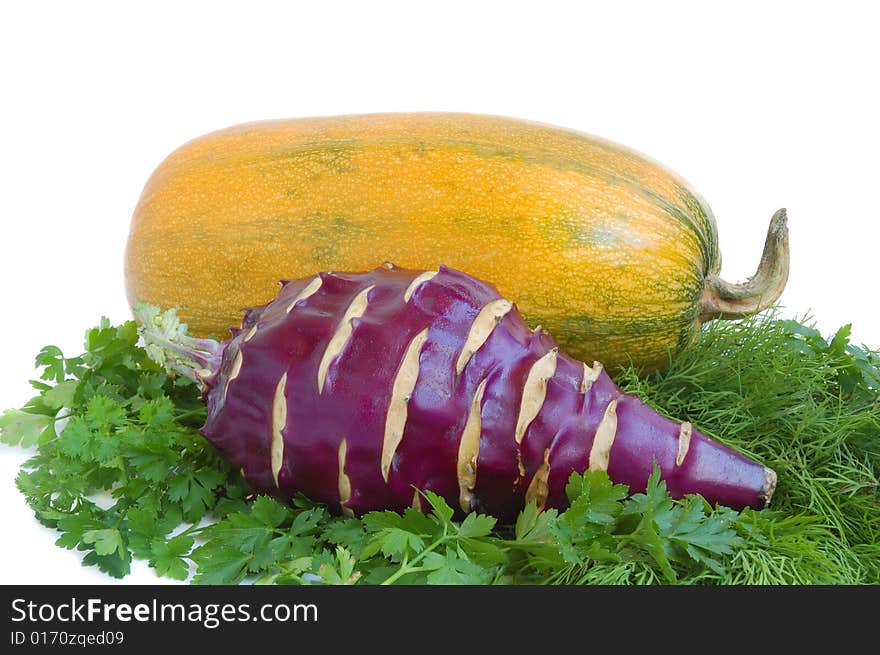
[
  {"x": 129, "y": 477},
  {"x": 129, "y": 467},
  {"x": 304, "y": 544}
]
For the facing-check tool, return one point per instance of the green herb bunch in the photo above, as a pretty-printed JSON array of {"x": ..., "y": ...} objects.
[{"x": 129, "y": 477}]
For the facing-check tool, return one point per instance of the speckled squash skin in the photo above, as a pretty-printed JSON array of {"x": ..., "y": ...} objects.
[{"x": 604, "y": 248}]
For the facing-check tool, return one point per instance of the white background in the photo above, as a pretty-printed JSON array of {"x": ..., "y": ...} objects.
[{"x": 761, "y": 106}]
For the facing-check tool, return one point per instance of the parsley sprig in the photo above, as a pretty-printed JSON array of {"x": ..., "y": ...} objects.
[
  {"x": 128, "y": 468},
  {"x": 120, "y": 472},
  {"x": 303, "y": 543}
]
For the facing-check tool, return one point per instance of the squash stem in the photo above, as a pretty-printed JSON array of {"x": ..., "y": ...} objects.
[
  {"x": 167, "y": 343},
  {"x": 722, "y": 299}
]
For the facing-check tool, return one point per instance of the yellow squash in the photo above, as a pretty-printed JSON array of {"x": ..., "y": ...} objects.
[{"x": 611, "y": 253}]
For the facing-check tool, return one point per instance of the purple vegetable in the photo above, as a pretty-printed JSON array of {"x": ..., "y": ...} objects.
[{"x": 357, "y": 389}]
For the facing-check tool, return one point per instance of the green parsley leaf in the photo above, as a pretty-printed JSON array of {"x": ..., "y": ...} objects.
[
  {"x": 61, "y": 395},
  {"x": 220, "y": 565},
  {"x": 347, "y": 532},
  {"x": 476, "y": 525},
  {"x": 168, "y": 557},
  {"x": 341, "y": 571},
  {"x": 52, "y": 359},
  {"x": 457, "y": 569},
  {"x": 22, "y": 428},
  {"x": 106, "y": 541}
]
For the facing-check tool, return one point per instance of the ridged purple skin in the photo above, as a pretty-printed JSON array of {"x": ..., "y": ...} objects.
[{"x": 358, "y": 388}]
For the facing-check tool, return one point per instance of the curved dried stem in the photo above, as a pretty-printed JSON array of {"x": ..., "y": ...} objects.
[{"x": 722, "y": 299}]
